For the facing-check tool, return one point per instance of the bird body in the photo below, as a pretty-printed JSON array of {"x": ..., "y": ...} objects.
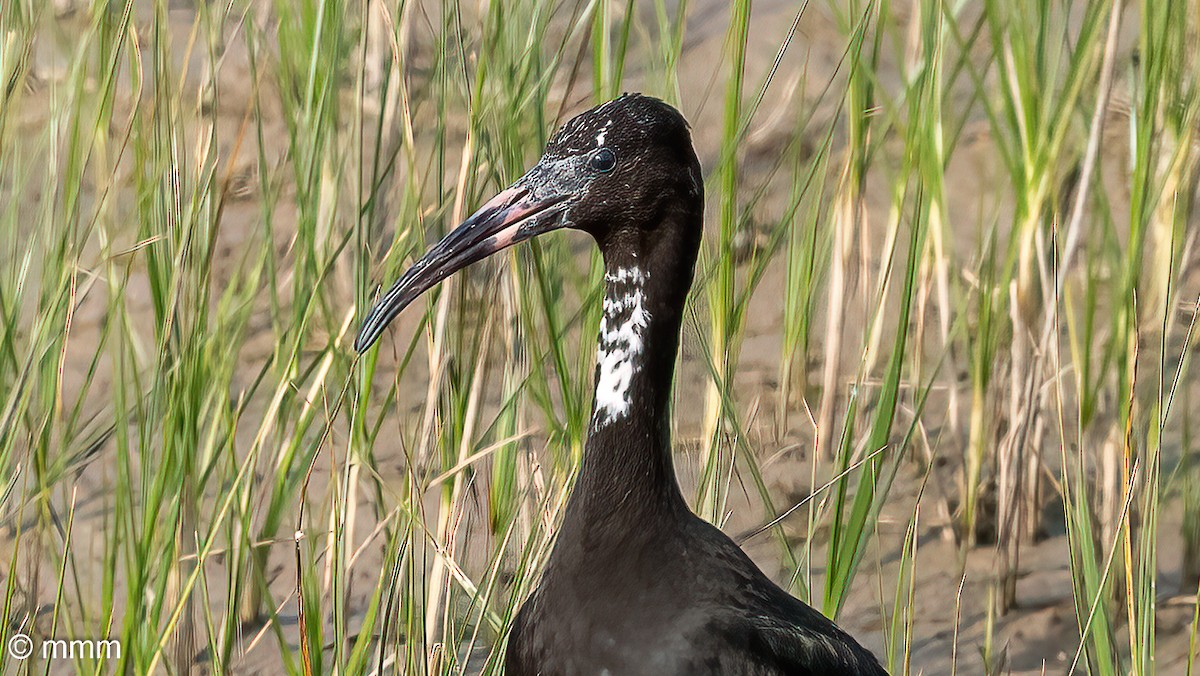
[
  {"x": 636, "y": 583},
  {"x": 707, "y": 610}
]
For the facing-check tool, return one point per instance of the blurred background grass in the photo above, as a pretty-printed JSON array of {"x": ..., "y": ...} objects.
[{"x": 935, "y": 374}]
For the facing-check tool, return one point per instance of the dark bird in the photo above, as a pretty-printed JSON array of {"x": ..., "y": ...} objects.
[{"x": 636, "y": 583}]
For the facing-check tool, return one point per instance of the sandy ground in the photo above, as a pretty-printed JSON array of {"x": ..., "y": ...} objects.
[{"x": 1039, "y": 636}]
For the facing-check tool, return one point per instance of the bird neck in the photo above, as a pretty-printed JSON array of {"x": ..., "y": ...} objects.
[{"x": 627, "y": 472}]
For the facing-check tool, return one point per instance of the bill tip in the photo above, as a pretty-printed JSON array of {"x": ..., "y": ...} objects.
[{"x": 365, "y": 339}]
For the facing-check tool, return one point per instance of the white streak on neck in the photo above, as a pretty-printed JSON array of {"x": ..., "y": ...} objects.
[{"x": 621, "y": 332}]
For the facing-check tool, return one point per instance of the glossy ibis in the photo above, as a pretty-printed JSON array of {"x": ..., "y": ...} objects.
[{"x": 636, "y": 583}]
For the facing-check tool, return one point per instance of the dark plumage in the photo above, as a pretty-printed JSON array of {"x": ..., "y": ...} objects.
[{"x": 636, "y": 583}]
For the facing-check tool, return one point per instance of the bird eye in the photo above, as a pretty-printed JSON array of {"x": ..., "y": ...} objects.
[{"x": 603, "y": 160}]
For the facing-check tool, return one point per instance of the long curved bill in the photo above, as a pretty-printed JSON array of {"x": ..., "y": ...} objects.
[{"x": 514, "y": 215}]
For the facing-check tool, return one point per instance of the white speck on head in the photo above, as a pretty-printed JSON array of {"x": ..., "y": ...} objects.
[
  {"x": 625, "y": 319},
  {"x": 603, "y": 132}
]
